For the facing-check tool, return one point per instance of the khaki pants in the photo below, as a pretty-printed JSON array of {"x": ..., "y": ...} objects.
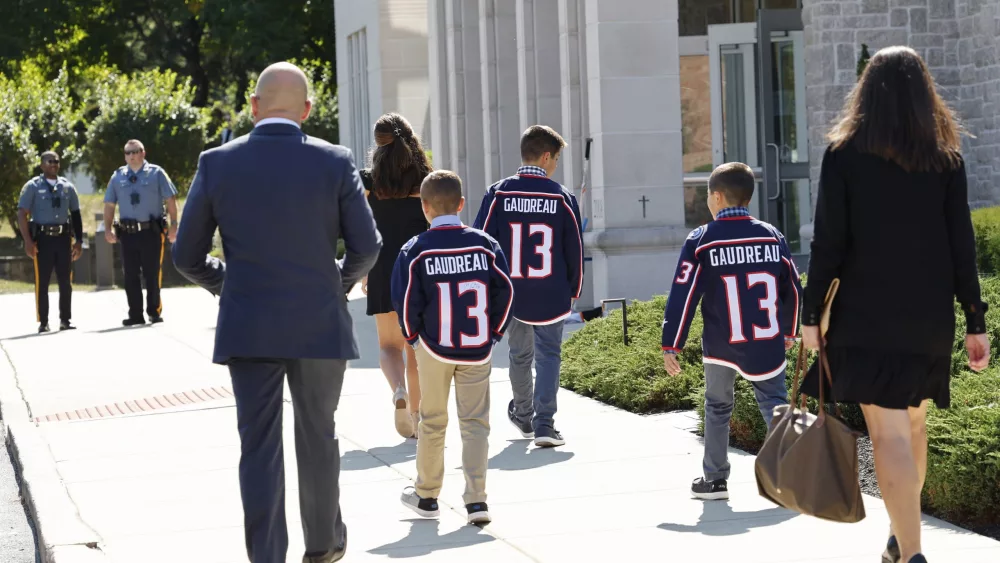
[{"x": 472, "y": 397}]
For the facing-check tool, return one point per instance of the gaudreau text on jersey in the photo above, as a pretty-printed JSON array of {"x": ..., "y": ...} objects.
[
  {"x": 744, "y": 254},
  {"x": 456, "y": 264},
  {"x": 530, "y": 205}
]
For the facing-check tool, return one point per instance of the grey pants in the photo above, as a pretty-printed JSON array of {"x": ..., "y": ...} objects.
[
  {"x": 543, "y": 345},
  {"x": 719, "y": 400},
  {"x": 315, "y": 387}
]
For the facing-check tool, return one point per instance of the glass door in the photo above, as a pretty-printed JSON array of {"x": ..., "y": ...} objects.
[
  {"x": 759, "y": 114},
  {"x": 784, "y": 133}
]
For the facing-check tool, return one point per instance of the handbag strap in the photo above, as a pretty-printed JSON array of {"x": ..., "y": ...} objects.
[{"x": 824, "y": 373}]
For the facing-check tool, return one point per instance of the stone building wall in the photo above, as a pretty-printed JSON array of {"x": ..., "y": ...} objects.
[{"x": 957, "y": 39}]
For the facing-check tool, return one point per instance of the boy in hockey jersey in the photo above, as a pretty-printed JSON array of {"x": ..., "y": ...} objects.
[
  {"x": 453, "y": 294},
  {"x": 537, "y": 222},
  {"x": 751, "y": 289}
]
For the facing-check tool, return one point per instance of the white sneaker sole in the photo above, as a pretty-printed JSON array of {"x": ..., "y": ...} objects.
[
  {"x": 481, "y": 517},
  {"x": 548, "y": 442},
  {"x": 723, "y": 495},
  {"x": 420, "y": 512}
]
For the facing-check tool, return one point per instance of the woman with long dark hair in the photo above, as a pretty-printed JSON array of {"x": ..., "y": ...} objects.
[
  {"x": 392, "y": 185},
  {"x": 892, "y": 222}
]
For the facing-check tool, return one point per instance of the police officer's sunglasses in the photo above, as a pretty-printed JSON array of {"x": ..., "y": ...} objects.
[{"x": 133, "y": 151}]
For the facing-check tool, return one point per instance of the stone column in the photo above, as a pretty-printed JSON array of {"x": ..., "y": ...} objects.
[
  {"x": 438, "y": 82},
  {"x": 465, "y": 112},
  {"x": 538, "y": 65},
  {"x": 498, "y": 52},
  {"x": 633, "y": 86},
  {"x": 575, "y": 114}
]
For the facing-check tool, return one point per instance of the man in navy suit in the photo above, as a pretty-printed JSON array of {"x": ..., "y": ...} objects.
[{"x": 281, "y": 199}]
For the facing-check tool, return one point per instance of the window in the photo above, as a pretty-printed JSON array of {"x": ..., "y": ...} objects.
[{"x": 357, "y": 72}]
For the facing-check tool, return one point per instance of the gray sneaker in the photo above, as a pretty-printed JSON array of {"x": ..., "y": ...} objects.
[
  {"x": 524, "y": 427},
  {"x": 425, "y": 507},
  {"x": 548, "y": 438}
]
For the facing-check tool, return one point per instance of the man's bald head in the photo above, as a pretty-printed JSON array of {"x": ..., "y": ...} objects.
[{"x": 282, "y": 91}]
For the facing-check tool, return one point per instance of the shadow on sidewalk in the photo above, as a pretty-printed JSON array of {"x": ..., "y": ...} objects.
[
  {"x": 360, "y": 460},
  {"x": 719, "y": 519},
  {"x": 424, "y": 539},
  {"x": 518, "y": 456},
  {"x": 30, "y": 335}
]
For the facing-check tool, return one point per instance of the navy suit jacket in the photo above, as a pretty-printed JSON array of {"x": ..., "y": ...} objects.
[{"x": 280, "y": 200}]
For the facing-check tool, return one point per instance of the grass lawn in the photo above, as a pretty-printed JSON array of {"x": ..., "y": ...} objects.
[{"x": 9, "y": 287}]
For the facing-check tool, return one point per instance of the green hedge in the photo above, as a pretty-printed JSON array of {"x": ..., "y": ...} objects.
[
  {"x": 986, "y": 222},
  {"x": 964, "y": 440}
]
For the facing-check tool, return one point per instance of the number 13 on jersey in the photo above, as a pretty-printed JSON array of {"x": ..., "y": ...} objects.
[{"x": 543, "y": 249}]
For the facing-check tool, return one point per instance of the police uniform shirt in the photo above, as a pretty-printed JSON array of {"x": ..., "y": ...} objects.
[
  {"x": 49, "y": 203},
  {"x": 140, "y": 195}
]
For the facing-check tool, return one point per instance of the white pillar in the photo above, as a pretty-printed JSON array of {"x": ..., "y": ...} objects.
[
  {"x": 575, "y": 114},
  {"x": 440, "y": 141},
  {"x": 633, "y": 77},
  {"x": 465, "y": 113},
  {"x": 540, "y": 90},
  {"x": 498, "y": 52}
]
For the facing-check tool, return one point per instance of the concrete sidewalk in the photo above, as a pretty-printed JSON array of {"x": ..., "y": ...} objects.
[{"x": 134, "y": 457}]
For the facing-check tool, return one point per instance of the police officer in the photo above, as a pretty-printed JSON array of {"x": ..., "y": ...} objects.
[
  {"x": 140, "y": 189},
  {"x": 52, "y": 203}
]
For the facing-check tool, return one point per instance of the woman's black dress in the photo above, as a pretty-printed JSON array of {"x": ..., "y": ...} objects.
[
  {"x": 398, "y": 220},
  {"x": 902, "y": 245}
]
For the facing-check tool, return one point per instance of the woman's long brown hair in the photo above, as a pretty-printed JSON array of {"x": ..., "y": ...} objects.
[
  {"x": 399, "y": 164},
  {"x": 896, "y": 113}
]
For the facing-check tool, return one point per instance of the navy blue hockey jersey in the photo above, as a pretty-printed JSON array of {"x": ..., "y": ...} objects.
[
  {"x": 537, "y": 222},
  {"x": 452, "y": 291},
  {"x": 742, "y": 271}
]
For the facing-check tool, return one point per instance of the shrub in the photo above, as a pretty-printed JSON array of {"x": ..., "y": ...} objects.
[
  {"x": 45, "y": 108},
  {"x": 154, "y": 107},
  {"x": 323, "y": 121},
  {"x": 597, "y": 364},
  {"x": 986, "y": 222},
  {"x": 17, "y": 159}
]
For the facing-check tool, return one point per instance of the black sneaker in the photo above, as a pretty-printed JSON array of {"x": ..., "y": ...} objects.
[
  {"x": 44, "y": 327},
  {"x": 64, "y": 325},
  {"x": 425, "y": 507},
  {"x": 524, "y": 427},
  {"x": 710, "y": 490},
  {"x": 478, "y": 513},
  {"x": 133, "y": 322},
  {"x": 155, "y": 319},
  {"x": 548, "y": 438}
]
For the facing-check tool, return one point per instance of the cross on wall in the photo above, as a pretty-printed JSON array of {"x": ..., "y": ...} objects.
[{"x": 644, "y": 201}]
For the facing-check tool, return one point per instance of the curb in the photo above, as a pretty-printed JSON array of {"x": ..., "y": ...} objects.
[{"x": 62, "y": 535}]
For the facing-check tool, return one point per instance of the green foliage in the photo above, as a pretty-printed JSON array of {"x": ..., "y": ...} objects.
[
  {"x": 863, "y": 59},
  {"x": 986, "y": 223},
  {"x": 45, "y": 108},
  {"x": 155, "y": 108},
  {"x": 323, "y": 121},
  {"x": 17, "y": 158},
  {"x": 597, "y": 364}
]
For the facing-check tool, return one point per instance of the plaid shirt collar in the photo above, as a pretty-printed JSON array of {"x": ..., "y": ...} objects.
[
  {"x": 730, "y": 212},
  {"x": 532, "y": 171}
]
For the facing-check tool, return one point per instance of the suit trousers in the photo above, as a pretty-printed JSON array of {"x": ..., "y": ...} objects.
[
  {"x": 472, "y": 399},
  {"x": 315, "y": 386},
  {"x": 53, "y": 252},
  {"x": 143, "y": 251}
]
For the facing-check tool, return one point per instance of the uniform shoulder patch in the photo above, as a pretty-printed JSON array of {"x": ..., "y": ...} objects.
[
  {"x": 409, "y": 244},
  {"x": 697, "y": 233}
]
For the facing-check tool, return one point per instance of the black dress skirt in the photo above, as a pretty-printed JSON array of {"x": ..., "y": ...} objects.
[
  {"x": 397, "y": 220},
  {"x": 892, "y": 380}
]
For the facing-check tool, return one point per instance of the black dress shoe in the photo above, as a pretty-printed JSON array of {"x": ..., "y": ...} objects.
[
  {"x": 155, "y": 319},
  {"x": 329, "y": 556},
  {"x": 44, "y": 327},
  {"x": 133, "y": 322},
  {"x": 64, "y": 325}
]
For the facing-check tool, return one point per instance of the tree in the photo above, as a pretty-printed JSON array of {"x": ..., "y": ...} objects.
[
  {"x": 155, "y": 108},
  {"x": 323, "y": 121},
  {"x": 44, "y": 108},
  {"x": 17, "y": 159}
]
